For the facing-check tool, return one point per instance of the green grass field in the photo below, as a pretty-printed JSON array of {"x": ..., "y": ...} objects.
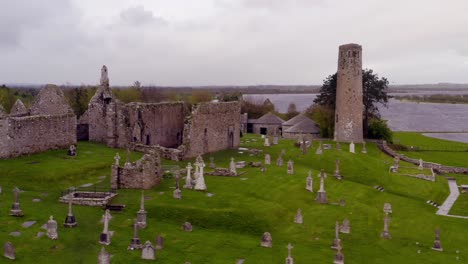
[{"x": 229, "y": 225}]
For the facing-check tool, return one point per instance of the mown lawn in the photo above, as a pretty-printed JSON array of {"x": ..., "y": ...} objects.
[{"x": 228, "y": 226}]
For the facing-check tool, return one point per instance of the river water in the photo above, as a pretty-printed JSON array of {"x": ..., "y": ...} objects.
[{"x": 401, "y": 116}]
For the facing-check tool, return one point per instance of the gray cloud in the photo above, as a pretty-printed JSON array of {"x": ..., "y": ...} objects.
[{"x": 139, "y": 16}]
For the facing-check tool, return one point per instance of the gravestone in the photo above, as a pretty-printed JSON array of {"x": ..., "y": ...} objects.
[
  {"x": 275, "y": 140},
  {"x": 135, "y": 241},
  {"x": 200, "y": 180},
  {"x": 188, "y": 178},
  {"x": 52, "y": 228},
  {"x": 298, "y": 219},
  {"x": 9, "y": 251},
  {"x": 177, "y": 194},
  {"x": 267, "y": 142},
  {"x": 267, "y": 159},
  {"x": 289, "y": 259},
  {"x": 232, "y": 167},
  {"x": 352, "y": 147},
  {"x": 28, "y": 224},
  {"x": 117, "y": 159},
  {"x": 279, "y": 161},
  {"x": 364, "y": 149},
  {"x": 345, "y": 227},
  {"x": 267, "y": 241},
  {"x": 322, "y": 194},
  {"x": 385, "y": 233},
  {"x": 159, "y": 242},
  {"x": 70, "y": 220},
  {"x": 337, "y": 240},
  {"x": 421, "y": 164},
  {"x": 304, "y": 146},
  {"x": 337, "y": 170},
  {"x": 103, "y": 257},
  {"x": 212, "y": 164},
  {"x": 71, "y": 151},
  {"x": 309, "y": 182},
  {"x": 437, "y": 245},
  {"x": 339, "y": 257},
  {"x": 15, "y": 208},
  {"x": 141, "y": 214},
  {"x": 187, "y": 227},
  {"x": 104, "y": 238},
  {"x": 319, "y": 149},
  {"x": 387, "y": 208},
  {"x": 290, "y": 167},
  {"x": 148, "y": 251}
]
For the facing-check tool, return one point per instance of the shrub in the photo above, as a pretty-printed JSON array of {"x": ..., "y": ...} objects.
[{"x": 378, "y": 129}]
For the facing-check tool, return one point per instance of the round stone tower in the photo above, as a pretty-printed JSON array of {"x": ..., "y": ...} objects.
[{"x": 349, "y": 106}]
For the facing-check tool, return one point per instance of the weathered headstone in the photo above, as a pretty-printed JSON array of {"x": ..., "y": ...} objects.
[
  {"x": 117, "y": 159},
  {"x": 290, "y": 167},
  {"x": 304, "y": 146},
  {"x": 187, "y": 227},
  {"x": 200, "y": 181},
  {"x": 298, "y": 219},
  {"x": 212, "y": 163},
  {"x": 103, "y": 257},
  {"x": 322, "y": 194},
  {"x": 9, "y": 251},
  {"x": 309, "y": 182},
  {"x": 267, "y": 142},
  {"x": 275, "y": 140},
  {"x": 387, "y": 208},
  {"x": 159, "y": 242},
  {"x": 104, "y": 238},
  {"x": 352, "y": 147},
  {"x": 289, "y": 259},
  {"x": 15, "y": 208},
  {"x": 148, "y": 251},
  {"x": 188, "y": 178},
  {"x": 70, "y": 220},
  {"x": 345, "y": 227},
  {"x": 337, "y": 170},
  {"x": 421, "y": 164},
  {"x": 437, "y": 245},
  {"x": 232, "y": 167},
  {"x": 52, "y": 228},
  {"x": 339, "y": 257},
  {"x": 267, "y": 241},
  {"x": 364, "y": 149},
  {"x": 279, "y": 161},
  {"x": 337, "y": 240},
  {"x": 135, "y": 241},
  {"x": 141, "y": 214},
  {"x": 267, "y": 159},
  {"x": 385, "y": 233}
]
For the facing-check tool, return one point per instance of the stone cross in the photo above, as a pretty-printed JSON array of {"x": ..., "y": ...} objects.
[
  {"x": 267, "y": 241},
  {"x": 337, "y": 240},
  {"x": 339, "y": 257},
  {"x": 289, "y": 259},
  {"x": 104, "y": 257},
  {"x": 290, "y": 167},
  {"x": 437, "y": 245},
  {"x": 385, "y": 233},
  {"x": 200, "y": 181},
  {"x": 337, "y": 170},
  {"x": 322, "y": 194},
  {"x": 9, "y": 251},
  {"x": 290, "y": 247},
  {"x": 135, "y": 242},
  {"x": 351, "y": 147},
  {"x": 52, "y": 228},
  {"x": 397, "y": 161},
  {"x": 117, "y": 159},
  {"x": 15, "y": 208},
  {"x": 298, "y": 219},
  {"x": 421, "y": 166},
  {"x": 319, "y": 149},
  {"x": 322, "y": 177},
  {"x": 267, "y": 159},
  {"x": 387, "y": 208},
  {"x": 232, "y": 167},
  {"x": 309, "y": 182},
  {"x": 148, "y": 251},
  {"x": 141, "y": 214},
  {"x": 304, "y": 146},
  {"x": 188, "y": 178},
  {"x": 70, "y": 220},
  {"x": 105, "y": 237}
]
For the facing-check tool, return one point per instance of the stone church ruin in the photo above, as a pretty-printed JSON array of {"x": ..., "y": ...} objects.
[
  {"x": 172, "y": 128},
  {"x": 49, "y": 124}
]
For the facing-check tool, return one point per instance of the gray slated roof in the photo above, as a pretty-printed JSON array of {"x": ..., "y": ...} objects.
[
  {"x": 305, "y": 126},
  {"x": 295, "y": 120},
  {"x": 269, "y": 118}
]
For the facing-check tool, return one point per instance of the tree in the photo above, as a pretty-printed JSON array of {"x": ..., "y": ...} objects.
[
  {"x": 374, "y": 92},
  {"x": 7, "y": 98},
  {"x": 292, "y": 111}
]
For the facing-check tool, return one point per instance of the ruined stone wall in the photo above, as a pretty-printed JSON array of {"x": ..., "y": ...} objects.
[
  {"x": 157, "y": 123},
  {"x": 142, "y": 174},
  {"x": 349, "y": 105},
  {"x": 32, "y": 134},
  {"x": 212, "y": 127}
]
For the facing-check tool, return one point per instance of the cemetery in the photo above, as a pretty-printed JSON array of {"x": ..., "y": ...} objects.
[{"x": 292, "y": 210}]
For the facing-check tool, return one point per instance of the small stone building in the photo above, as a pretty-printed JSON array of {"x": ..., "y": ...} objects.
[
  {"x": 268, "y": 124},
  {"x": 49, "y": 124},
  {"x": 142, "y": 174},
  {"x": 305, "y": 128}
]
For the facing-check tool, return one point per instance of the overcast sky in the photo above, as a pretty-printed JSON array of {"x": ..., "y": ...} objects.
[{"x": 224, "y": 42}]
